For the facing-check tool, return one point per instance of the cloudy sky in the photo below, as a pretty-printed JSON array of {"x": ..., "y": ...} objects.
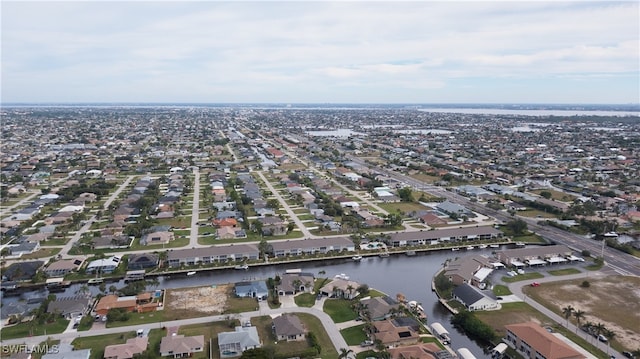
[{"x": 318, "y": 52}]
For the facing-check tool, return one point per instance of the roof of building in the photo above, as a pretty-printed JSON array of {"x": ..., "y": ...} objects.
[
  {"x": 212, "y": 251},
  {"x": 246, "y": 336},
  {"x": 132, "y": 347},
  {"x": 179, "y": 344},
  {"x": 446, "y": 233},
  {"x": 468, "y": 294},
  {"x": 542, "y": 341},
  {"x": 288, "y": 324}
]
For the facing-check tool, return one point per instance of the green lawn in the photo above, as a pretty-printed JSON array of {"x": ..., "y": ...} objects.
[
  {"x": 501, "y": 290},
  {"x": 521, "y": 277},
  {"x": 305, "y": 300},
  {"x": 339, "y": 310},
  {"x": 28, "y": 329},
  {"x": 143, "y": 318},
  {"x": 314, "y": 325},
  {"x": 566, "y": 271},
  {"x": 354, "y": 335}
]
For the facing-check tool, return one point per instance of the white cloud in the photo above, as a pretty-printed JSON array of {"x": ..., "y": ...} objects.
[{"x": 292, "y": 48}]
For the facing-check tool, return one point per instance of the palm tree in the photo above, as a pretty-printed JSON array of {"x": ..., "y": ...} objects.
[
  {"x": 350, "y": 289},
  {"x": 599, "y": 328},
  {"x": 567, "y": 312},
  {"x": 579, "y": 315},
  {"x": 609, "y": 334},
  {"x": 344, "y": 353}
]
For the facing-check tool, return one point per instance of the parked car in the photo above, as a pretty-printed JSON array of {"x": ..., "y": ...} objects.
[
  {"x": 535, "y": 284},
  {"x": 628, "y": 355},
  {"x": 366, "y": 343},
  {"x": 602, "y": 338}
]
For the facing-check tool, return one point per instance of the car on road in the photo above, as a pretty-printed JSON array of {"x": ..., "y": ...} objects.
[
  {"x": 602, "y": 338},
  {"x": 535, "y": 284},
  {"x": 628, "y": 355}
]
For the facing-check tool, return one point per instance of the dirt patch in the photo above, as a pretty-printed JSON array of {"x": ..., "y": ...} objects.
[
  {"x": 207, "y": 300},
  {"x": 613, "y": 301}
]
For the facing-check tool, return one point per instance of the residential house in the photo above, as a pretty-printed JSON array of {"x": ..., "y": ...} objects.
[
  {"x": 273, "y": 226},
  {"x": 25, "y": 247},
  {"x": 473, "y": 299},
  {"x": 288, "y": 327},
  {"x": 340, "y": 288},
  {"x": 534, "y": 256},
  {"x": 233, "y": 344},
  {"x": 140, "y": 303},
  {"x": 21, "y": 271},
  {"x": 253, "y": 289},
  {"x": 390, "y": 334},
  {"x": 142, "y": 261},
  {"x": 379, "y": 308},
  {"x": 533, "y": 342},
  {"x": 292, "y": 283},
  {"x": 63, "y": 267},
  {"x": 179, "y": 346},
  {"x": 402, "y": 239},
  {"x": 128, "y": 350},
  {"x": 420, "y": 350},
  {"x": 157, "y": 238},
  {"x": 226, "y": 232},
  {"x": 70, "y": 307},
  {"x": 104, "y": 265},
  {"x": 65, "y": 351},
  {"x": 468, "y": 269}
]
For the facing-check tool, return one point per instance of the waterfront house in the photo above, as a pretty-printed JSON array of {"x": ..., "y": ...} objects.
[
  {"x": 157, "y": 238},
  {"x": 232, "y": 344},
  {"x": 402, "y": 239},
  {"x": 63, "y": 267},
  {"x": 70, "y": 307},
  {"x": 420, "y": 350},
  {"x": 253, "y": 289},
  {"x": 104, "y": 265},
  {"x": 391, "y": 334},
  {"x": 340, "y": 288},
  {"x": 288, "y": 327},
  {"x": 534, "y": 256},
  {"x": 292, "y": 283},
  {"x": 140, "y": 303},
  {"x": 312, "y": 246},
  {"x": 473, "y": 299},
  {"x": 21, "y": 271},
  {"x": 472, "y": 269},
  {"x": 142, "y": 261},
  {"x": 379, "y": 308},
  {"x": 214, "y": 254}
]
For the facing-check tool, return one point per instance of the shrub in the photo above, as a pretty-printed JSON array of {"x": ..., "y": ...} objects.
[{"x": 585, "y": 284}]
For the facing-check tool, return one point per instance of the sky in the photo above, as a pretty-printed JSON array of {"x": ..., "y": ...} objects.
[{"x": 320, "y": 52}]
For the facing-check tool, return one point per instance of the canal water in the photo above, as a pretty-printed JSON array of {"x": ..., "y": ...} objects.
[{"x": 409, "y": 275}]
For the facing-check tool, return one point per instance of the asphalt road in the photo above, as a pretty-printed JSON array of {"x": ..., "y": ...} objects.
[{"x": 328, "y": 324}]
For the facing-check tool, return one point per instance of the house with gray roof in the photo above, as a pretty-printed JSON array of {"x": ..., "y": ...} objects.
[
  {"x": 232, "y": 344},
  {"x": 253, "y": 289},
  {"x": 402, "y": 239},
  {"x": 311, "y": 246},
  {"x": 292, "y": 283},
  {"x": 214, "y": 254},
  {"x": 379, "y": 308},
  {"x": 288, "y": 327},
  {"x": 70, "y": 307},
  {"x": 473, "y": 299}
]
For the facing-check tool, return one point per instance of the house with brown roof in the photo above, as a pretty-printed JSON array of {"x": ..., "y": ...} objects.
[
  {"x": 421, "y": 350},
  {"x": 533, "y": 341},
  {"x": 140, "y": 303},
  {"x": 178, "y": 346},
  {"x": 158, "y": 238},
  {"x": 62, "y": 267},
  {"x": 289, "y": 327},
  {"x": 226, "y": 232},
  {"x": 128, "y": 350},
  {"x": 394, "y": 335}
]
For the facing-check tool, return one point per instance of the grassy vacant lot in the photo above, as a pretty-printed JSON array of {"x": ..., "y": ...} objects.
[
  {"x": 565, "y": 271},
  {"x": 613, "y": 301},
  {"x": 404, "y": 207},
  {"x": 557, "y": 195},
  {"x": 520, "y": 277},
  {"x": 99, "y": 342},
  {"x": 28, "y": 329},
  {"x": 42, "y": 252},
  {"x": 339, "y": 310},
  {"x": 354, "y": 335}
]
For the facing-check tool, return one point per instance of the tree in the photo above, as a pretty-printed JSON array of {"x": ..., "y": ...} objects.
[
  {"x": 546, "y": 194},
  {"x": 405, "y": 194},
  {"x": 609, "y": 334},
  {"x": 345, "y": 353},
  {"x": 113, "y": 289},
  {"x": 579, "y": 315},
  {"x": 567, "y": 312},
  {"x": 517, "y": 226},
  {"x": 599, "y": 328}
]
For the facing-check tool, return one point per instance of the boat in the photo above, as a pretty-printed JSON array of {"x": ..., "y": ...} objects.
[
  {"x": 357, "y": 258},
  {"x": 455, "y": 249},
  {"x": 520, "y": 244},
  {"x": 342, "y": 276},
  {"x": 469, "y": 248},
  {"x": 411, "y": 253},
  {"x": 494, "y": 245},
  {"x": 241, "y": 267},
  {"x": 384, "y": 254},
  {"x": 482, "y": 246},
  {"x": 191, "y": 273},
  {"x": 95, "y": 281}
]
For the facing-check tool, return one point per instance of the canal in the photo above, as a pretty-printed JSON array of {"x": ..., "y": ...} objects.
[{"x": 409, "y": 275}]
